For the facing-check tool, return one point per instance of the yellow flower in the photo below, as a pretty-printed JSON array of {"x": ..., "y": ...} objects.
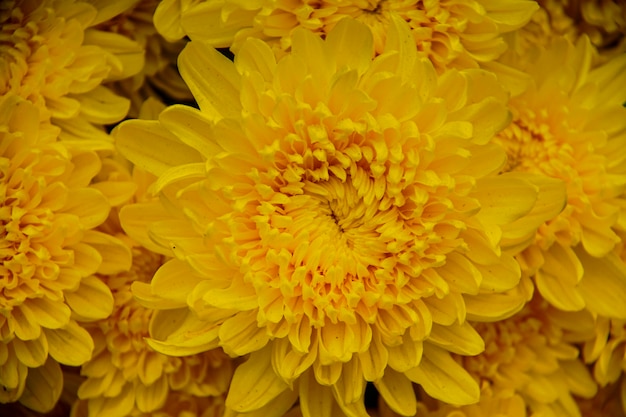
[
  {"x": 533, "y": 354},
  {"x": 49, "y": 252},
  {"x": 603, "y": 21},
  {"x": 333, "y": 216},
  {"x": 51, "y": 56},
  {"x": 158, "y": 74},
  {"x": 450, "y": 33},
  {"x": 569, "y": 125}
]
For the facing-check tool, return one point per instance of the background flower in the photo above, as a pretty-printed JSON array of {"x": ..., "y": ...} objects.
[
  {"x": 49, "y": 253},
  {"x": 451, "y": 34},
  {"x": 568, "y": 125},
  {"x": 534, "y": 355},
  {"x": 334, "y": 217},
  {"x": 53, "y": 57}
]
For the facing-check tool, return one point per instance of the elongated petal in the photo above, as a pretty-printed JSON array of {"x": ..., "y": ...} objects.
[
  {"x": 443, "y": 378},
  {"x": 254, "y": 383},
  {"x": 212, "y": 79}
]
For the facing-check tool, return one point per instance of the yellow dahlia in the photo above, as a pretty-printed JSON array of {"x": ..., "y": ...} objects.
[
  {"x": 52, "y": 56},
  {"x": 158, "y": 74},
  {"x": 49, "y": 253},
  {"x": 534, "y": 355},
  {"x": 569, "y": 125},
  {"x": 334, "y": 216},
  {"x": 449, "y": 32}
]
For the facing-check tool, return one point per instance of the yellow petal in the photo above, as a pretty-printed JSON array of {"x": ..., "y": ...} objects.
[
  {"x": 240, "y": 334},
  {"x": 254, "y": 383},
  {"x": 175, "y": 280},
  {"x": 72, "y": 345},
  {"x": 397, "y": 391},
  {"x": 43, "y": 387},
  {"x": 89, "y": 205},
  {"x": 136, "y": 220},
  {"x": 48, "y": 313},
  {"x": 192, "y": 127},
  {"x": 351, "y": 45},
  {"x": 374, "y": 359},
  {"x": 91, "y": 301},
  {"x": 603, "y": 286},
  {"x": 457, "y": 338},
  {"x": 315, "y": 399},
  {"x": 32, "y": 353},
  {"x": 102, "y": 106},
  {"x": 212, "y": 79},
  {"x": 504, "y": 199},
  {"x": 405, "y": 355},
  {"x": 121, "y": 405},
  {"x": 151, "y": 397},
  {"x": 558, "y": 280},
  {"x": 443, "y": 378},
  {"x": 350, "y": 387},
  {"x": 151, "y": 147},
  {"x": 116, "y": 256}
]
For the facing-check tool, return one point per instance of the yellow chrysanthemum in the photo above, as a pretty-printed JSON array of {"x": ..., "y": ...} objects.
[
  {"x": 52, "y": 56},
  {"x": 450, "y": 33},
  {"x": 334, "y": 216},
  {"x": 49, "y": 252},
  {"x": 569, "y": 125},
  {"x": 158, "y": 75},
  {"x": 533, "y": 354},
  {"x": 603, "y": 21}
]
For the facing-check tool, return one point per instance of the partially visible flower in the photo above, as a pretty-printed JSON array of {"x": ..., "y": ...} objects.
[
  {"x": 334, "y": 218},
  {"x": 490, "y": 405},
  {"x": 569, "y": 125},
  {"x": 450, "y": 33},
  {"x": 49, "y": 253},
  {"x": 158, "y": 75},
  {"x": 52, "y": 56},
  {"x": 534, "y": 355},
  {"x": 603, "y": 21}
]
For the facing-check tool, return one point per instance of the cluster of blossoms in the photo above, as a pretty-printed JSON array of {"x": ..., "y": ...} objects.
[{"x": 316, "y": 208}]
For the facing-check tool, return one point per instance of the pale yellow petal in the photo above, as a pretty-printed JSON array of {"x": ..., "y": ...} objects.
[
  {"x": 212, "y": 79},
  {"x": 443, "y": 378},
  {"x": 152, "y": 148},
  {"x": 43, "y": 387},
  {"x": 254, "y": 383}
]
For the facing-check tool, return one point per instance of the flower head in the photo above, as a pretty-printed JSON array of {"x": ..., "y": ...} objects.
[
  {"x": 49, "y": 252},
  {"x": 449, "y": 33},
  {"x": 569, "y": 125},
  {"x": 333, "y": 216},
  {"x": 533, "y": 355},
  {"x": 603, "y": 21},
  {"x": 51, "y": 56}
]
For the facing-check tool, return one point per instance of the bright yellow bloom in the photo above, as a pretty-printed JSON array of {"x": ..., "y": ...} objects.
[
  {"x": 158, "y": 74},
  {"x": 449, "y": 32},
  {"x": 603, "y": 21},
  {"x": 52, "y": 56},
  {"x": 49, "y": 252},
  {"x": 533, "y": 354},
  {"x": 333, "y": 216},
  {"x": 569, "y": 125}
]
